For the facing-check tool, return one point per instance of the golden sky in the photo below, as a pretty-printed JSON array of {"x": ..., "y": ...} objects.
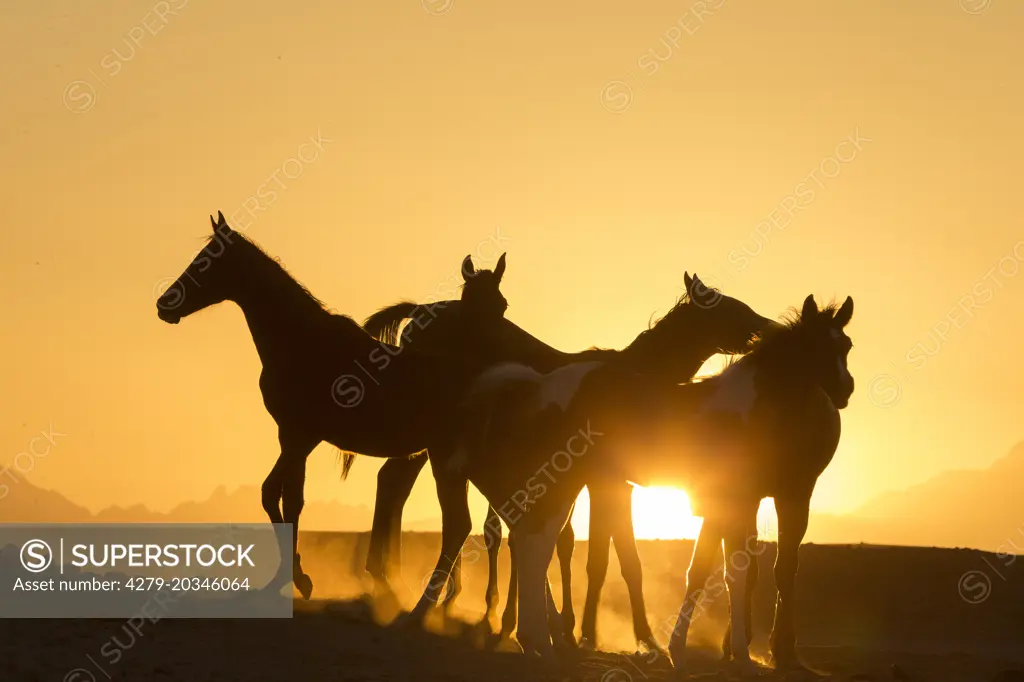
[{"x": 861, "y": 148}]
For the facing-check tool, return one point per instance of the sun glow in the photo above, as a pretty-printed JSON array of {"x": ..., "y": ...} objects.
[
  {"x": 658, "y": 514},
  {"x": 666, "y": 514},
  {"x": 663, "y": 514}
]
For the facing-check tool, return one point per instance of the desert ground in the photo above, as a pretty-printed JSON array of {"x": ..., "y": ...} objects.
[{"x": 866, "y": 612}]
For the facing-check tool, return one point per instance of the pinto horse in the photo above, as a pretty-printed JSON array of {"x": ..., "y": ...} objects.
[
  {"x": 702, "y": 323},
  {"x": 766, "y": 426}
]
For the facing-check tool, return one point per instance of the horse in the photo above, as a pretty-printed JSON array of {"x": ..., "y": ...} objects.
[
  {"x": 452, "y": 327},
  {"x": 323, "y": 378},
  {"x": 702, "y": 322},
  {"x": 768, "y": 425},
  {"x": 796, "y": 431}
]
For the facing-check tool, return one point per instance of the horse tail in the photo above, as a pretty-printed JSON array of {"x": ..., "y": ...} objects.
[
  {"x": 347, "y": 460},
  {"x": 383, "y": 325}
]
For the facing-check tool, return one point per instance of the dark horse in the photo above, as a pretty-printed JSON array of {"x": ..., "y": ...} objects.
[
  {"x": 324, "y": 378},
  {"x": 703, "y": 323},
  {"x": 458, "y": 327},
  {"x": 767, "y": 426}
]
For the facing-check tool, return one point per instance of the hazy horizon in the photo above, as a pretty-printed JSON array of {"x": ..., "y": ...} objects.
[{"x": 941, "y": 512}]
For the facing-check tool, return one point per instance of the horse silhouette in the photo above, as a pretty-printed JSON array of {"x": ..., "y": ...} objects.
[
  {"x": 702, "y": 323},
  {"x": 465, "y": 326},
  {"x": 323, "y": 379},
  {"x": 766, "y": 426}
]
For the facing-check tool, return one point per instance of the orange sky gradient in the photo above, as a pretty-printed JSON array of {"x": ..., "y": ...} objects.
[{"x": 606, "y": 147}]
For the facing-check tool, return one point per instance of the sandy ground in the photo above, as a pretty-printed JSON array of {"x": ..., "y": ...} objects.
[{"x": 865, "y": 612}]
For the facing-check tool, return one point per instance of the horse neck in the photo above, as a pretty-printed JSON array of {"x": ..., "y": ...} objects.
[
  {"x": 432, "y": 325},
  {"x": 281, "y": 315},
  {"x": 591, "y": 355},
  {"x": 657, "y": 350},
  {"x": 782, "y": 358},
  {"x": 514, "y": 344}
]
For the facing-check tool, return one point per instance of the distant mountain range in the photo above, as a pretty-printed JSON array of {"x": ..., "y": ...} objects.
[
  {"x": 977, "y": 508},
  {"x": 981, "y": 509},
  {"x": 27, "y": 503}
]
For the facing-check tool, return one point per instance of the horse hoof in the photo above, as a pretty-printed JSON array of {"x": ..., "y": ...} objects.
[
  {"x": 509, "y": 645},
  {"x": 405, "y": 621},
  {"x": 677, "y": 655},
  {"x": 745, "y": 668},
  {"x": 542, "y": 651},
  {"x": 383, "y": 590},
  {"x": 410, "y": 620},
  {"x": 304, "y": 584},
  {"x": 649, "y": 649},
  {"x": 587, "y": 644},
  {"x": 793, "y": 664},
  {"x": 484, "y": 628},
  {"x": 503, "y": 643}
]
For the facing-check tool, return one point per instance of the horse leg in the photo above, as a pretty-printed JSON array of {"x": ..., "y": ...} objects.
[
  {"x": 564, "y": 549},
  {"x": 292, "y": 503},
  {"x": 271, "y": 495},
  {"x": 554, "y": 620},
  {"x": 456, "y": 524},
  {"x": 534, "y": 553},
  {"x": 510, "y": 615},
  {"x": 792, "y": 512},
  {"x": 738, "y": 559},
  {"x": 601, "y": 513},
  {"x": 748, "y": 593},
  {"x": 454, "y": 587},
  {"x": 294, "y": 451},
  {"x": 629, "y": 564},
  {"x": 394, "y": 484},
  {"x": 492, "y": 540},
  {"x": 706, "y": 549}
]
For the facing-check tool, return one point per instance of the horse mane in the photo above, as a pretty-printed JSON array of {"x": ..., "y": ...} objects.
[
  {"x": 654, "y": 323},
  {"x": 683, "y": 300},
  {"x": 476, "y": 273},
  {"x": 275, "y": 268},
  {"x": 275, "y": 265},
  {"x": 792, "y": 323}
]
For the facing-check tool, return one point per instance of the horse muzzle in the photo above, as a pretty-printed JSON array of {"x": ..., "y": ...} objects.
[{"x": 168, "y": 316}]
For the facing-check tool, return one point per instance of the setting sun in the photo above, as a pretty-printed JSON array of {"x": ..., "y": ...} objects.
[
  {"x": 658, "y": 514},
  {"x": 666, "y": 514}
]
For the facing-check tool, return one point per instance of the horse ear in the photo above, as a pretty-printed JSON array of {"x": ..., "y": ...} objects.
[
  {"x": 499, "y": 270},
  {"x": 220, "y": 219},
  {"x": 214, "y": 223},
  {"x": 844, "y": 313},
  {"x": 697, "y": 287},
  {"x": 467, "y": 268},
  {"x": 810, "y": 308},
  {"x": 687, "y": 281}
]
